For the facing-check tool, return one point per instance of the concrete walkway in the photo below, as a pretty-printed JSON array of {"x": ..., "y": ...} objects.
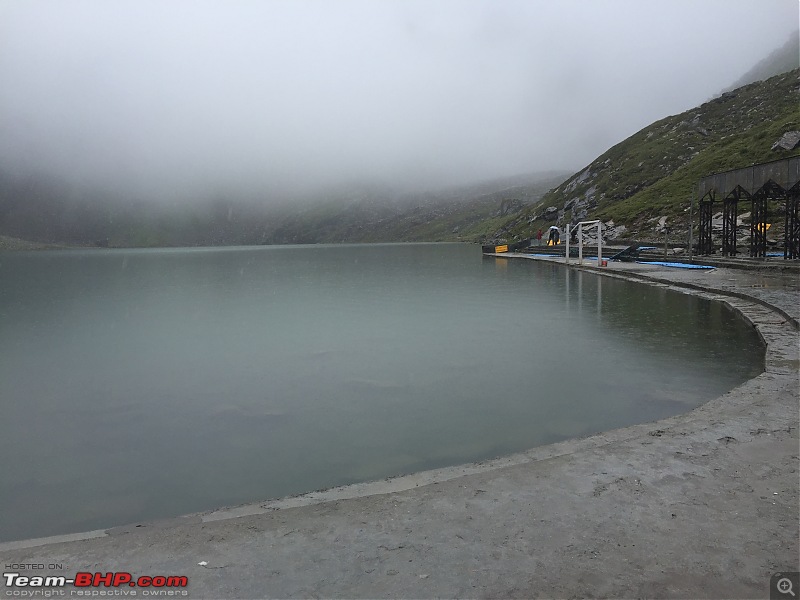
[{"x": 699, "y": 505}]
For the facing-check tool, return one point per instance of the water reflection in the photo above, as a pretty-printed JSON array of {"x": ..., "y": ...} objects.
[{"x": 578, "y": 299}]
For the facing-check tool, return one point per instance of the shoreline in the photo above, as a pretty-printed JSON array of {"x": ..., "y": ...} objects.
[{"x": 598, "y": 480}]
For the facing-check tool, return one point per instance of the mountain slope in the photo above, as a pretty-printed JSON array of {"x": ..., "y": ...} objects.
[
  {"x": 654, "y": 172},
  {"x": 783, "y": 59},
  {"x": 464, "y": 213}
]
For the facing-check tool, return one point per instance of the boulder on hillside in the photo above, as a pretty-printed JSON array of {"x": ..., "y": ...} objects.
[
  {"x": 789, "y": 141},
  {"x": 612, "y": 231}
]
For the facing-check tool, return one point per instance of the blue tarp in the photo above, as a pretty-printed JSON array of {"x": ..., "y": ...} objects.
[{"x": 673, "y": 264}]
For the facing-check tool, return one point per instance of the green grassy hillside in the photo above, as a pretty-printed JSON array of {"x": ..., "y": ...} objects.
[{"x": 654, "y": 172}]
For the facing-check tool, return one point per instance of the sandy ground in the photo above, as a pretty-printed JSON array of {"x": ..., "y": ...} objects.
[{"x": 702, "y": 505}]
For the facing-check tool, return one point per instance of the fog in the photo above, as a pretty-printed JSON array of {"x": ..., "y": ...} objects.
[{"x": 184, "y": 99}]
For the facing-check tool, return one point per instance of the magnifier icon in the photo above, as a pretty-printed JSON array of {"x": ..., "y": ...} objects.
[{"x": 784, "y": 586}]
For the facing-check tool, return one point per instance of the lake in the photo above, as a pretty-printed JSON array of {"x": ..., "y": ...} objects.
[{"x": 141, "y": 384}]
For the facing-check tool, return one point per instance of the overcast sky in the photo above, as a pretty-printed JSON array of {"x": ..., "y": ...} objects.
[{"x": 178, "y": 98}]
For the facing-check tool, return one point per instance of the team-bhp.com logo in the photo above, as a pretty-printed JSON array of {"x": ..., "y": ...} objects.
[{"x": 88, "y": 584}]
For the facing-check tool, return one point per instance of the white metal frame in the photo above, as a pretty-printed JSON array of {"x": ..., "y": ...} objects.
[{"x": 580, "y": 241}]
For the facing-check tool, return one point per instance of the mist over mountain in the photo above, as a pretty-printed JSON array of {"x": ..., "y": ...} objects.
[
  {"x": 785, "y": 58},
  {"x": 38, "y": 210},
  {"x": 151, "y": 123}
]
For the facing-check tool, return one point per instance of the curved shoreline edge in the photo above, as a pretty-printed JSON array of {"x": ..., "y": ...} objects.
[{"x": 696, "y": 493}]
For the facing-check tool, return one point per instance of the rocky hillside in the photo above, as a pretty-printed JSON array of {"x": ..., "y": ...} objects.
[{"x": 649, "y": 178}]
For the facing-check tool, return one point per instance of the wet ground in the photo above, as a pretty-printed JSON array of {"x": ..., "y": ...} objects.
[{"x": 699, "y": 505}]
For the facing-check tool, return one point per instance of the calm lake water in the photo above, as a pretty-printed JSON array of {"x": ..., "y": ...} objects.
[{"x": 141, "y": 384}]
